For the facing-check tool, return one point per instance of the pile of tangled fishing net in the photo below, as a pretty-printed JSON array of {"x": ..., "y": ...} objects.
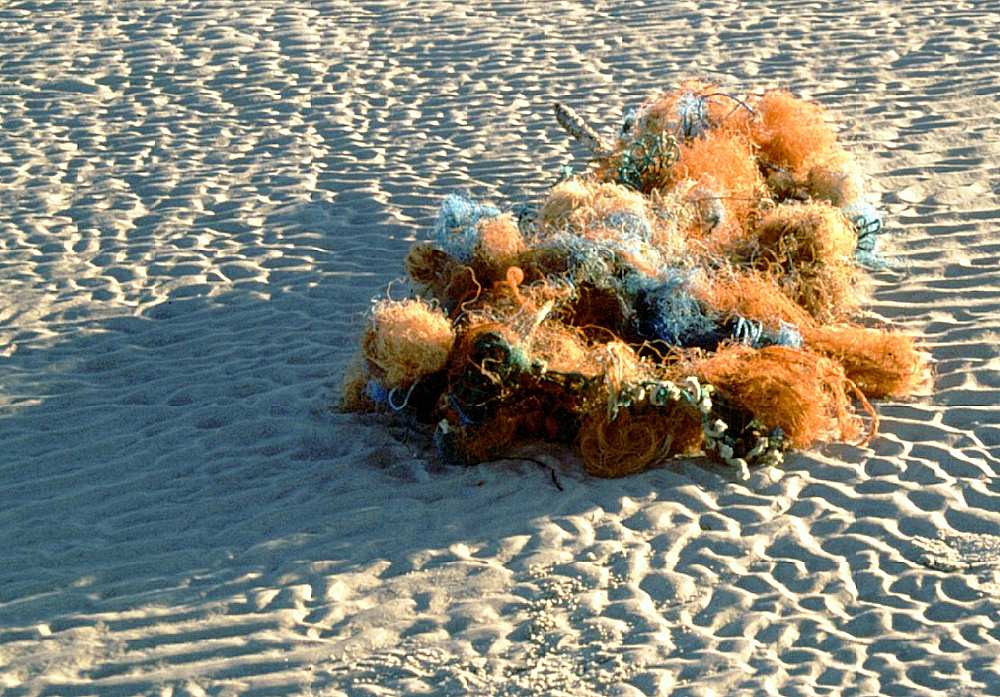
[{"x": 692, "y": 292}]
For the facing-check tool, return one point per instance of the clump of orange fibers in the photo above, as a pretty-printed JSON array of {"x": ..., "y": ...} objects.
[
  {"x": 805, "y": 234},
  {"x": 431, "y": 269},
  {"x": 579, "y": 205},
  {"x": 716, "y": 238},
  {"x": 750, "y": 294},
  {"x": 352, "y": 391},
  {"x": 563, "y": 349},
  {"x": 836, "y": 179},
  {"x": 810, "y": 247},
  {"x": 805, "y": 395},
  {"x": 724, "y": 112},
  {"x": 632, "y": 443},
  {"x": 723, "y": 162},
  {"x": 407, "y": 339},
  {"x": 499, "y": 244},
  {"x": 791, "y": 133},
  {"x": 489, "y": 440},
  {"x": 600, "y": 210},
  {"x": 881, "y": 363}
]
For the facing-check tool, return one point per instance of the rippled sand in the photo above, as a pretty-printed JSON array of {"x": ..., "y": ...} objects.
[{"x": 198, "y": 200}]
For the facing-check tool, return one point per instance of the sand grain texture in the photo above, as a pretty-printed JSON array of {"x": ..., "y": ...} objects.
[{"x": 198, "y": 200}]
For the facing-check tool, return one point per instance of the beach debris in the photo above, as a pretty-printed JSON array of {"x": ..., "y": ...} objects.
[
  {"x": 577, "y": 126},
  {"x": 690, "y": 292}
]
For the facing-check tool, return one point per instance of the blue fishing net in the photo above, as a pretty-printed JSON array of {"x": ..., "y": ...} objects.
[
  {"x": 377, "y": 392},
  {"x": 868, "y": 224},
  {"x": 630, "y": 225},
  {"x": 647, "y": 157},
  {"x": 629, "y": 119},
  {"x": 755, "y": 334},
  {"x": 666, "y": 310},
  {"x": 455, "y": 229},
  {"x": 692, "y": 112}
]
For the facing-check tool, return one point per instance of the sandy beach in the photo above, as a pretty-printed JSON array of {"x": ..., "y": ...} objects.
[{"x": 198, "y": 201}]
